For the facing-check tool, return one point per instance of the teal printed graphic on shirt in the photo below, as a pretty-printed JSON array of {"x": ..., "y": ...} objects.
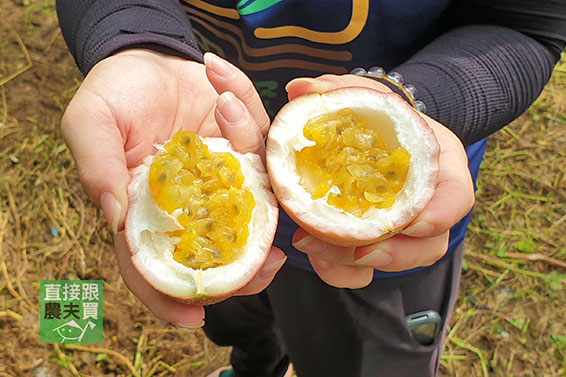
[
  {"x": 246, "y": 7},
  {"x": 266, "y": 90}
]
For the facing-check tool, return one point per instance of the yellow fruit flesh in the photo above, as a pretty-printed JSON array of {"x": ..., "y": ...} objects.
[
  {"x": 352, "y": 157},
  {"x": 208, "y": 188}
]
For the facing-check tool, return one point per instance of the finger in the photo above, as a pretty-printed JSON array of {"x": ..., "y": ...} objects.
[
  {"x": 97, "y": 147},
  {"x": 454, "y": 193},
  {"x": 275, "y": 260},
  {"x": 398, "y": 253},
  {"x": 226, "y": 77},
  {"x": 304, "y": 85},
  {"x": 195, "y": 108},
  {"x": 319, "y": 249},
  {"x": 401, "y": 253},
  {"x": 164, "y": 308},
  {"x": 341, "y": 275},
  {"x": 237, "y": 125}
]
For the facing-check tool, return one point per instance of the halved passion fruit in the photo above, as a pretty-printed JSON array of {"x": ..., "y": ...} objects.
[
  {"x": 201, "y": 218},
  {"x": 353, "y": 165}
]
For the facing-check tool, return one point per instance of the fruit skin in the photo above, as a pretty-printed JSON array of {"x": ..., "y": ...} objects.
[
  {"x": 226, "y": 280},
  {"x": 332, "y": 225}
]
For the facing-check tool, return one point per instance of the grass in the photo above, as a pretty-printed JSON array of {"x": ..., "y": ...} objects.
[
  {"x": 509, "y": 321},
  {"x": 514, "y": 272}
]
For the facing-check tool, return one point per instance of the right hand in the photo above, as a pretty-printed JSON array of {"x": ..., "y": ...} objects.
[
  {"x": 137, "y": 98},
  {"x": 423, "y": 241}
]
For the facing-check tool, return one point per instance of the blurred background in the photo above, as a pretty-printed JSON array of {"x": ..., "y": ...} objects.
[{"x": 510, "y": 318}]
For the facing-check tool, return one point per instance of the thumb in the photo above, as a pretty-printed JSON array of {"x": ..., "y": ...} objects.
[
  {"x": 90, "y": 131},
  {"x": 304, "y": 85},
  {"x": 237, "y": 125}
]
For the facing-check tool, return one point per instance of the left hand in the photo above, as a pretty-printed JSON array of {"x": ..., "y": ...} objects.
[
  {"x": 423, "y": 241},
  {"x": 119, "y": 113}
]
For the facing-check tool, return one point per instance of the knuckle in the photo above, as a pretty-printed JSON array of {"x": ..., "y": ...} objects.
[
  {"x": 250, "y": 97},
  {"x": 247, "y": 92},
  {"x": 90, "y": 179},
  {"x": 263, "y": 122},
  {"x": 317, "y": 247},
  {"x": 85, "y": 175},
  {"x": 404, "y": 259}
]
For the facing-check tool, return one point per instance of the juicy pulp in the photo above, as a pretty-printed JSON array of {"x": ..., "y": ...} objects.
[
  {"x": 206, "y": 191},
  {"x": 353, "y": 158}
]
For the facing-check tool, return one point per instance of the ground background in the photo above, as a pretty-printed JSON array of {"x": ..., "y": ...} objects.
[{"x": 510, "y": 319}]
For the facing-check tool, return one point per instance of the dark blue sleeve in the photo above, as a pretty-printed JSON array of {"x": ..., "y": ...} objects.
[
  {"x": 483, "y": 71},
  {"x": 95, "y": 29},
  {"x": 490, "y": 66}
]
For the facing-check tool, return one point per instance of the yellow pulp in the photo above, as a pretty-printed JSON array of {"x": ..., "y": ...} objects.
[
  {"x": 352, "y": 157},
  {"x": 208, "y": 188}
]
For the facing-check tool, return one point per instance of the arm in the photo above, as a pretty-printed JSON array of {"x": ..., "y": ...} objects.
[
  {"x": 474, "y": 79},
  {"x": 142, "y": 84},
  {"x": 491, "y": 66},
  {"x": 94, "y": 30}
]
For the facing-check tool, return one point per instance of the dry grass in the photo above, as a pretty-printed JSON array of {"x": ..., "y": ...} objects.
[
  {"x": 510, "y": 319},
  {"x": 40, "y": 195}
]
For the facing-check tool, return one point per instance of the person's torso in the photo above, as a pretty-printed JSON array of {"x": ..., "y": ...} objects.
[{"x": 274, "y": 41}]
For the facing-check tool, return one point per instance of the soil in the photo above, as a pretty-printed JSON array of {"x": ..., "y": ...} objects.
[
  {"x": 40, "y": 194},
  {"x": 509, "y": 320}
]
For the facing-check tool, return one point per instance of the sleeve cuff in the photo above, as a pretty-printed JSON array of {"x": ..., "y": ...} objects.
[
  {"x": 108, "y": 27},
  {"x": 148, "y": 40}
]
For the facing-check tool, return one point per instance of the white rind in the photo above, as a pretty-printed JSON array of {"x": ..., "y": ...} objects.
[
  {"x": 152, "y": 249},
  {"x": 286, "y": 136}
]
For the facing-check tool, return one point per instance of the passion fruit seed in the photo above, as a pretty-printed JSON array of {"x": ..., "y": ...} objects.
[
  {"x": 207, "y": 188},
  {"x": 352, "y": 157}
]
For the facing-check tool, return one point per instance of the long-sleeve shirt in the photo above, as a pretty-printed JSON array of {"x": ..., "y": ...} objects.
[{"x": 476, "y": 64}]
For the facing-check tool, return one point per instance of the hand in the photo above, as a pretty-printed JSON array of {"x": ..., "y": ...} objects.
[
  {"x": 424, "y": 240},
  {"x": 136, "y": 98}
]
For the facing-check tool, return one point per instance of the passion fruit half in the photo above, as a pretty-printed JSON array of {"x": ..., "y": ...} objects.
[
  {"x": 201, "y": 218},
  {"x": 352, "y": 166}
]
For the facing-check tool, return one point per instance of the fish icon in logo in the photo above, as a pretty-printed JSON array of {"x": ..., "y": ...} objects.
[{"x": 72, "y": 331}]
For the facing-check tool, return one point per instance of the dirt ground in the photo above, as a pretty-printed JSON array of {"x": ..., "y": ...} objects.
[{"x": 510, "y": 319}]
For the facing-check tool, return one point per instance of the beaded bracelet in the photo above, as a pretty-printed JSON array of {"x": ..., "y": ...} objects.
[{"x": 395, "y": 79}]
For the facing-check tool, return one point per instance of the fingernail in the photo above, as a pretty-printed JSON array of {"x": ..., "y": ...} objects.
[
  {"x": 191, "y": 327},
  {"x": 378, "y": 257},
  {"x": 312, "y": 81},
  {"x": 112, "y": 210},
  {"x": 300, "y": 241},
  {"x": 306, "y": 243},
  {"x": 420, "y": 229},
  {"x": 318, "y": 86},
  {"x": 231, "y": 109},
  {"x": 267, "y": 271},
  {"x": 217, "y": 65}
]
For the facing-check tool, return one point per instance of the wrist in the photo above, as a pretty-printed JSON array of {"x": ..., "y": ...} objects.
[
  {"x": 393, "y": 81},
  {"x": 142, "y": 52}
]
